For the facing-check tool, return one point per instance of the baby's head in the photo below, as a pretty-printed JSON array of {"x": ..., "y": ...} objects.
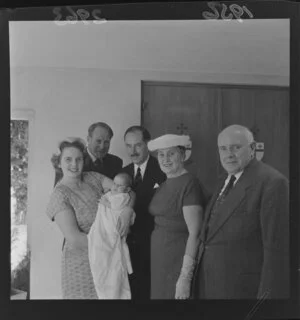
[{"x": 122, "y": 183}]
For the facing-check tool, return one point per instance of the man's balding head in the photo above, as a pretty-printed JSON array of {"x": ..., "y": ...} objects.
[{"x": 236, "y": 147}]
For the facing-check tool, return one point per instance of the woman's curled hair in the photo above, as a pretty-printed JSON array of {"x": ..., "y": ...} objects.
[{"x": 77, "y": 143}]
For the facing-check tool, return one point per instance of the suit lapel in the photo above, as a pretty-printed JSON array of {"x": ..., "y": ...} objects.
[
  {"x": 148, "y": 175},
  {"x": 131, "y": 170},
  {"x": 210, "y": 205},
  {"x": 88, "y": 162},
  {"x": 232, "y": 201}
]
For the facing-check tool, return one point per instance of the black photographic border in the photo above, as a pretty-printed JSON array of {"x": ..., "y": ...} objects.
[{"x": 192, "y": 309}]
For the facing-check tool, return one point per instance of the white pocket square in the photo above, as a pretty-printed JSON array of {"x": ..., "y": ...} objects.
[{"x": 156, "y": 186}]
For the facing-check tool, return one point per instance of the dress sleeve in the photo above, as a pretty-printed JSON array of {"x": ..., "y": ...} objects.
[
  {"x": 58, "y": 202},
  {"x": 193, "y": 194},
  {"x": 95, "y": 179}
]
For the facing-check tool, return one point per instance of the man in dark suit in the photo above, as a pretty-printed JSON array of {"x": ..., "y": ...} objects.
[
  {"x": 146, "y": 175},
  {"x": 96, "y": 156},
  {"x": 244, "y": 253}
]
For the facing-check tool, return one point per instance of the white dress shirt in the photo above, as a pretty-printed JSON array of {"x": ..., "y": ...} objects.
[
  {"x": 142, "y": 166},
  {"x": 237, "y": 176},
  {"x": 91, "y": 155}
]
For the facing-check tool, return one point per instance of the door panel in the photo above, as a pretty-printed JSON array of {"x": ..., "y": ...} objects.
[
  {"x": 266, "y": 112},
  {"x": 187, "y": 110}
]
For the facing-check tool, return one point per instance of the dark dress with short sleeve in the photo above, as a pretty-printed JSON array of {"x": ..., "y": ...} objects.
[
  {"x": 170, "y": 234},
  {"x": 77, "y": 281}
]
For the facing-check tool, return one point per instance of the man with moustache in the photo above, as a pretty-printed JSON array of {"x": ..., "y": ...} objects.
[
  {"x": 147, "y": 175},
  {"x": 96, "y": 156},
  {"x": 244, "y": 253}
]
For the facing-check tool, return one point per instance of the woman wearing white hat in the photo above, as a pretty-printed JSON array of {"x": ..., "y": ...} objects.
[{"x": 177, "y": 207}]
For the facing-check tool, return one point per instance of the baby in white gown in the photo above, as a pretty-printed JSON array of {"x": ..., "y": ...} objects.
[{"x": 108, "y": 252}]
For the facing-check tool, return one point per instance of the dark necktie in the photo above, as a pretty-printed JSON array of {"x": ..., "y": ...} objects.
[
  {"x": 137, "y": 179},
  {"x": 221, "y": 199}
]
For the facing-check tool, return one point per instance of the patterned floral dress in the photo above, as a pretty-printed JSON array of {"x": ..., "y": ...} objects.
[{"x": 77, "y": 280}]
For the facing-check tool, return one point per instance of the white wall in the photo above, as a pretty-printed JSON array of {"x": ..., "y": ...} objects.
[
  {"x": 64, "y": 103},
  {"x": 257, "y": 46}
]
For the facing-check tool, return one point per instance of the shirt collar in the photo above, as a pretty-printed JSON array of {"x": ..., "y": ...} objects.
[
  {"x": 237, "y": 176},
  {"x": 142, "y": 166},
  {"x": 91, "y": 155}
]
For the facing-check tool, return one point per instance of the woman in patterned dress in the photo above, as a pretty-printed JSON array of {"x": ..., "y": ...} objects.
[
  {"x": 177, "y": 207},
  {"x": 73, "y": 205}
]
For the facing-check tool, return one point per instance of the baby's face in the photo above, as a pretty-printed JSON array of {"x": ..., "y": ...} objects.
[{"x": 119, "y": 185}]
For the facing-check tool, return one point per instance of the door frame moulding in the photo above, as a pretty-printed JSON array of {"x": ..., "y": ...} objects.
[{"x": 204, "y": 84}]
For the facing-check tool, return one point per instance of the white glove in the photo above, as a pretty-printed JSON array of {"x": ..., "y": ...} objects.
[{"x": 183, "y": 285}]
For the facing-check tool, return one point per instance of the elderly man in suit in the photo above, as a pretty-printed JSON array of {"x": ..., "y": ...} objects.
[
  {"x": 146, "y": 175},
  {"x": 96, "y": 156},
  {"x": 244, "y": 253}
]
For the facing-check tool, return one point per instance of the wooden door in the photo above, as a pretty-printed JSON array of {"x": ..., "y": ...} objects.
[
  {"x": 264, "y": 110},
  {"x": 186, "y": 109},
  {"x": 202, "y": 111}
]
